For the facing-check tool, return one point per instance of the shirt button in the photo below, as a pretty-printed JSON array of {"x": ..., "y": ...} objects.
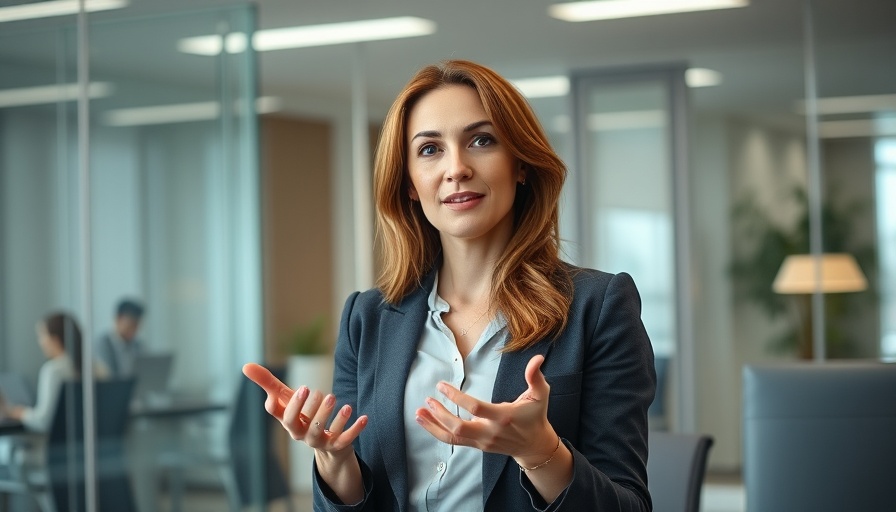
[{"x": 441, "y": 466}]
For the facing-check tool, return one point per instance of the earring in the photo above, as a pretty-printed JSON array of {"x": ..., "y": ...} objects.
[{"x": 523, "y": 183}]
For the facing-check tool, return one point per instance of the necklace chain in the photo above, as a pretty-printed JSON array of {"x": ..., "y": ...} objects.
[{"x": 463, "y": 332}]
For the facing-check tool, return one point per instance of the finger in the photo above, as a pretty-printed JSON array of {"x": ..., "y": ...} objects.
[
  {"x": 349, "y": 436},
  {"x": 339, "y": 421},
  {"x": 456, "y": 427},
  {"x": 318, "y": 427},
  {"x": 475, "y": 407},
  {"x": 538, "y": 385},
  {"x": 272, "y": 385},
  {"x": 426, "y": 419},
  {"x": 293, "y": 420},
  {"x": 310, "y": 409}
]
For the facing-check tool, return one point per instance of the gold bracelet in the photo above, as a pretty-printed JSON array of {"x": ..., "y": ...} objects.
[{"x": 545, "y": 463}]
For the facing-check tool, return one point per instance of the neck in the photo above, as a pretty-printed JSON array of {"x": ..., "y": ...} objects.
[
  {"x": 465, "y": 277},
  {"x": 468, "y": 264}
]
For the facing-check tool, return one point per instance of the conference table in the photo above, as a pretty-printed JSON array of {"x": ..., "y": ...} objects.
[
  {"x": 9, "y": 426},
  {"x": 161, "y": 430}
]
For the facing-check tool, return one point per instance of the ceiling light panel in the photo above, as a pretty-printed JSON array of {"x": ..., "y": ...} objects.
[
  {"x": 311, "y": 35},
  {"x": 702, "y": 77},
  {"x": 543, "y": 87},
  {"x": 44, "y": 94},
  {"x": 55, "y": 8},
  {"x": 615, "y": 9},
  {"x": 852, "y": 104},
  {"x": 182, "y": 112}
]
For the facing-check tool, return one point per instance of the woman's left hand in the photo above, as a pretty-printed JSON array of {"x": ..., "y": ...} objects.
[{"x": 519, "y": 429}]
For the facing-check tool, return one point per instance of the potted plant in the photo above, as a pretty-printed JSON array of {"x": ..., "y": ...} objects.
[{"x": 310, "y": 364}]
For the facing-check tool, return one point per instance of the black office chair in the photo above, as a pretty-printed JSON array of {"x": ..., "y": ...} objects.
[
  {"x": 676, "y": 467},
  {"x": 820, "y": 436},
  {"x": 249, "y": 470},
  {"x": 57, "y": 481},
  {"x": 250, "y": 427}
]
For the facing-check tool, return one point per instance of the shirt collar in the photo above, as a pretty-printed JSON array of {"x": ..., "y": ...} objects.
[{"x": 438, "y": 304}]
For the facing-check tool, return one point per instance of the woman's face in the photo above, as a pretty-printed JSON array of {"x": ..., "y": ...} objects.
[{"x": 464, "y": 176}]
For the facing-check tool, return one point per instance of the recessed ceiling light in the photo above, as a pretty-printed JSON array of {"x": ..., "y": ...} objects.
[
  {"x": 702, "y": 77},
  {"x": 55, "y": 8},
  {"x": 43, "y": 94},
  {"x": 852, "y": 104},
  {"x": 180, "y": 112},
  {"x": 882, "y": 127},
  {"x": 558, "y": 85},
  {"x": 614, "y": 9},
  {"x": 310, "y": 35},
  {"x": 543, "y": 86}
]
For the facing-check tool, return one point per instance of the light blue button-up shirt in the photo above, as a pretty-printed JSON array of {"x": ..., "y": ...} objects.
[{"x": 443, "y": 477}]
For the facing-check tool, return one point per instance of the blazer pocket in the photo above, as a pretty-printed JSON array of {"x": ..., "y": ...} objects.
[
  {"x": 564, "y": 404},
  {"x": 569, "y": 384}
]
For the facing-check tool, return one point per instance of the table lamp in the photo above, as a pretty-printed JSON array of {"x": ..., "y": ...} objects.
[{"x": 799, "y": 275}]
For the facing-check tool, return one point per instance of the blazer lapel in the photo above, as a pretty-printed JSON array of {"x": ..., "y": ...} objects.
[
  {"x": 510, "y": 382},
  {"x": 399, "y": 332}
]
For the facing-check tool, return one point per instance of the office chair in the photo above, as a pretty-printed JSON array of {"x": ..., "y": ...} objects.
[
  {"x": 249, "y": 470},
  {"x": 675, "y": 470},
  {"x": 820, "y": 436},
  {"x": 57, "y": 481}
]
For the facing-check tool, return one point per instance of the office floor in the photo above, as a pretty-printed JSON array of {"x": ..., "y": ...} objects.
[{"x": 723, "y": 493}]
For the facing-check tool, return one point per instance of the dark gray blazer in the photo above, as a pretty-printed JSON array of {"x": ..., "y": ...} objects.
[{"x": 602, "y": 381}]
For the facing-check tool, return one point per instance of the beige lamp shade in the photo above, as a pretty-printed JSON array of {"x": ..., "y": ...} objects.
[{"x": 839, "y": 273}]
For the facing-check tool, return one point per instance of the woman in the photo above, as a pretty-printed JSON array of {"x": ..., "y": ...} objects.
[
  {"x": 493, "y": 375},
  {"x": 59, "y": 338}
]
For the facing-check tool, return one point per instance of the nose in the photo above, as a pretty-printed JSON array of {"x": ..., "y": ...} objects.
[{"x": 458, "y": 168}]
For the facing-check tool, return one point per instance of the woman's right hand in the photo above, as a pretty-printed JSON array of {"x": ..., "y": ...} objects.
[{"x": 304, "y": 414}]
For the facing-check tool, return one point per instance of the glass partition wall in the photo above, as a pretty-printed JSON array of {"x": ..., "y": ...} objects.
[
  {"x": 173, "y": 249},
  {"x": 856, "y": 80}
]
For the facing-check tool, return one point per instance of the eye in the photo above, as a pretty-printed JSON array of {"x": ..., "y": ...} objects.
[
  {"x": 427, "y": 150},
  {"x": 483, "y": 140}
]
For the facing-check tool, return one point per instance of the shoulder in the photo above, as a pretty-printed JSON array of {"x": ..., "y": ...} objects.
[
  {"x": 591, "y": 283},
  {"x": 365, "y": 304}
]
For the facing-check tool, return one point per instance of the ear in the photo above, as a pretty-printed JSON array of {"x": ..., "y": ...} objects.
[
  {"x": 412, "y": 193},
  {"x": 521, "y": 174}
]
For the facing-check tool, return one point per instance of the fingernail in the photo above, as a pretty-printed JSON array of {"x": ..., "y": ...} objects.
[
  {"x": 346, "y": 410},
  {"x": 442, "y": 387},
  {"x": 303, "y": 392},
  {"x": 430, "y": 403},
  {"x": 420, "y": 420},
  {"x": 330, "y": 400}
]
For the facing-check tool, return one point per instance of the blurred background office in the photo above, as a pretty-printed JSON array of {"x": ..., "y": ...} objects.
[{"x": 227, "y": 186}]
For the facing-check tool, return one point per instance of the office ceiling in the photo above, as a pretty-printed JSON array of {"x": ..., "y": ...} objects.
[{"x": 758, "y": 49}]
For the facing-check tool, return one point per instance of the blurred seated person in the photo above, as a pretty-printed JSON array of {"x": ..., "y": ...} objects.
[
  {"x": 118, "y": 349},
  {"x": 59, "y": 337}
]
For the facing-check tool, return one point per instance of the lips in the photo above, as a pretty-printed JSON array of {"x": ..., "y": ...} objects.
[{"x": 462, "y": 197}]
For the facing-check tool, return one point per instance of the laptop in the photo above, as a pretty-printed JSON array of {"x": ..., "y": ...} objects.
[
  {"x": 152, "y": 373},
  {"x": 15, "y": 389}
]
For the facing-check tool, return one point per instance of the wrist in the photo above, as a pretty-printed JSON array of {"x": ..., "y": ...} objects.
[
  {"x": 539, "y": 460},
  {"x": 334, "y": 460}
]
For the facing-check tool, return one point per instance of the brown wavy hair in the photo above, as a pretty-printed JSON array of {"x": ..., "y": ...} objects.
[
  {"x": 529, "y": 286},
  {"x": 65, "y": 329}
]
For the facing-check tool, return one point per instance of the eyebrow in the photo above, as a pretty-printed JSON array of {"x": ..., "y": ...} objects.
[{"x": 469, "y": 128}]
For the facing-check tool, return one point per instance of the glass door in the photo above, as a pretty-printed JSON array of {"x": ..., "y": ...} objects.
[{"x": 632, "y": 206}]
